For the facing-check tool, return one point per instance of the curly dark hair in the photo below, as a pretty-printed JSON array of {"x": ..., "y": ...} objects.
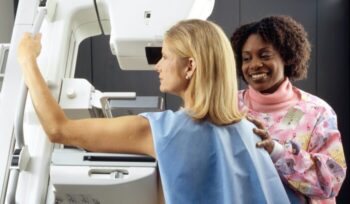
[{"x": 286, "y": 35}]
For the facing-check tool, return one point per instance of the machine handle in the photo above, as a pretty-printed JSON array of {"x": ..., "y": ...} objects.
[
  {"x": 24, "y": 89},
  {"x": 12, "y": 186},
  {"x": 42, "y": 11},
  {"x": 18, "y": 123},
  {"x": 108, "y": 173}
]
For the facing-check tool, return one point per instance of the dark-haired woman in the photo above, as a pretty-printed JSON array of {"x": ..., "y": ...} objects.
[{"x": 298, "y": 129}]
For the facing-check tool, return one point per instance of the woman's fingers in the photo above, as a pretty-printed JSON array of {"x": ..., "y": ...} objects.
[
  {"x": 266, "y": 141},
  {"x": 29, "y": 46},
  {"x": 268, "y": 145},
  {"x": 256, "y": 122},
  {"x": 262, "y": 133},
  {"x": 37, "y": 37}
]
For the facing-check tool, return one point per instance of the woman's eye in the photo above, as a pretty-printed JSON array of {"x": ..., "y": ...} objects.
[
  {"x": 245, "y": 58},
  {"x": 266, "y": 56}
]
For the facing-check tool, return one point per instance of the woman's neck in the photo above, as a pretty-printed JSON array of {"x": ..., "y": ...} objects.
[
  {"x": 274, "y": 88},
  {"x": 283, "y": 98},
  {"x": 187, "y": 99}
]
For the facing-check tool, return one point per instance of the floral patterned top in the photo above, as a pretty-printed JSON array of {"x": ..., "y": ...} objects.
[{"x": 312, "y": 161}]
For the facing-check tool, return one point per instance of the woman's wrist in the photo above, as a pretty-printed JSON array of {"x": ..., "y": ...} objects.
[{"x": 277, "y": 151}]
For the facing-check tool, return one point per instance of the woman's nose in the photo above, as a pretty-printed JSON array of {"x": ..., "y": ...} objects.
[
  {"x": 157, "y": 66},
  {"x": 256, "y": 63}
]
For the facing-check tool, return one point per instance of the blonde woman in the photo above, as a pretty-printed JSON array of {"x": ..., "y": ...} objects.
[{"x": 206, "y": 151}]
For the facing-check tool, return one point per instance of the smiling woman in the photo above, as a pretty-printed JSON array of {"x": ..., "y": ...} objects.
[
  {"x": 262, "y": 65},
  {"x": 298, "y": 129}
]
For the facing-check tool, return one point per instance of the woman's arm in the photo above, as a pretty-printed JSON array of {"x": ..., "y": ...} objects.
[
  {"x": 129, "y": 134},
  {"x": 317, "y": 171}
]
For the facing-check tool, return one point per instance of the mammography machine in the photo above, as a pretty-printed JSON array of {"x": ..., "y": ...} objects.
[
  {"x": 33, "y": 170},
  {"x": 4, "y": 49}
]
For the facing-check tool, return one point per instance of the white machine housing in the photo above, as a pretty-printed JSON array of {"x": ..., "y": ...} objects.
[
  {"x": 132, "y": 24},
  {"x": 146, "y": 25},
  {"x": 4, "y": 50}
]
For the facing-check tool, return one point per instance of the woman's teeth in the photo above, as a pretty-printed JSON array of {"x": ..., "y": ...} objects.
[{"x": 259, "y": 76}]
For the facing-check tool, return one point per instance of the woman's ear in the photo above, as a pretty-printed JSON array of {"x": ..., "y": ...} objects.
[{"x": 191, "y": 68}]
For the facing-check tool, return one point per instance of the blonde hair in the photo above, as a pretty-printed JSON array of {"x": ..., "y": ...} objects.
[{"x": 213, "y": 86}]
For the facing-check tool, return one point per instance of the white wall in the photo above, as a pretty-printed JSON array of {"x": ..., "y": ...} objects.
[{"x": 6, "y": 20}]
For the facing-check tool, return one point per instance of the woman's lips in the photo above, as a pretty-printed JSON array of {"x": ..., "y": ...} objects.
[{"x": 258, "y": 76}]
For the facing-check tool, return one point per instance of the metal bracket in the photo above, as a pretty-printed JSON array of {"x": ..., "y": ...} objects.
[{"x": 20, "y": 159}]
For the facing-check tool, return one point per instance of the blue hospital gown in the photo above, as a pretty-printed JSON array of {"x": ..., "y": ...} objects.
[{"x": 200, "y": 162}]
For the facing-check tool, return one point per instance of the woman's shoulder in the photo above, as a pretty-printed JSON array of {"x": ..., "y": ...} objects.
[
  {"x": 312, "y": 102},
  {"x": 241, "y": 104},
  {"x": 167, "y": 117},
  {"x": 241, "y": 93},
  {"x": 243, "y": 127},
  {"x": 167, "y": 114}
]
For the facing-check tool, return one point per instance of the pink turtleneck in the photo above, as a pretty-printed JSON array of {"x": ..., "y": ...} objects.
[{"x": 282, "y": 99}]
